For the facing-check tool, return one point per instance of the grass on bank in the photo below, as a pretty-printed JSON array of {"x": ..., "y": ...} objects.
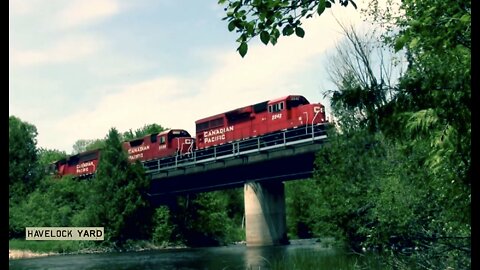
[
  {"x": 72, "y": 246},
  {"x": 69, "y": 246}
]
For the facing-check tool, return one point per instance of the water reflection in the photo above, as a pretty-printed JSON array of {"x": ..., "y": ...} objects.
[{"x": 258, "y": 257}]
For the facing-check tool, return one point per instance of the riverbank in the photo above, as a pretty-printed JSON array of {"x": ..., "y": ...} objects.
[
  {"x": 23, "y": 254},
  {"x": 22, "y": 249}
]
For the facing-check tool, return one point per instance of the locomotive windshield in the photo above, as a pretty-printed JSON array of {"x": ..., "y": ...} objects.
[
  {"x": 296, "y": 101},
  {"x": 178, "y": 134}
]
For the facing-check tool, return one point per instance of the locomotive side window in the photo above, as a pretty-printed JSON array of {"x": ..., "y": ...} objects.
[
  {"x": 162, "y": 140},
  {"x": 276, "y": 107},
  {"x": 153, "y": 138},
  {"x": 210, "y": 124},
  {"x": 216, "y": 122},
  {"x": 136, "y": 142},
  {"x": 202, "y": 126}
]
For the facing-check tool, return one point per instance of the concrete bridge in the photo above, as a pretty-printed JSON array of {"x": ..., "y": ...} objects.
[{"x": 258, "y": 164}]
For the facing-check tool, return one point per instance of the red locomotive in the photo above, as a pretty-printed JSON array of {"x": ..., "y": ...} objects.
[
  {"x": 167, "y": 143},
  {"x": 154, "y": 146},
  {"x": 290, "y": 112},
  {"x": 291, "y": 116},
  {"x": 80, "y": 165}
]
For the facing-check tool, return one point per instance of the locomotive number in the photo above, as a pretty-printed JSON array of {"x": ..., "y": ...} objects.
[
  {"x": 162, "y": 147},
  {"x": 276, "y": 116}
]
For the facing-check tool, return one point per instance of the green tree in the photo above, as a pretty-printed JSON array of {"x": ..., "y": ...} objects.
[
  {"x": 118, "y": 199},
  {"x": 163, "y": 227},
  {"x": 271, "y": 18},
  {"x": 366, "y": 75},
  {"x": 22, "y": 158},
  {"x": 423, "y": 168},
  {"x": 209, "y": 219},
  {"x": 143, "y": 131},
  {"x": 46, "y": 157},
  {"x": 53, "y": 203},
  {"x": 83, "y": 145}
]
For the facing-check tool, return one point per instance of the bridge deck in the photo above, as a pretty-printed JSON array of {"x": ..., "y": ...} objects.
[{"x": 279, "y": 140}]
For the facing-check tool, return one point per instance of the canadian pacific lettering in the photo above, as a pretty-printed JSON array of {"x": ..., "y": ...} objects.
[
  {"x": 85, "y": 167},
  {"x": 216, "y": 134},
  {"x": 134, "y": 153},
  {"x": 136, "y": 156},
  {"x": 138, "y": 149}
]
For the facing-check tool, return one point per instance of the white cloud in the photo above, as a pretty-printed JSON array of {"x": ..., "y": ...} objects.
[
  {"x": 65, "y": 50},
  {"x": 176, "y": 101},
  {"x": 82, "y": 12},
  {"x": 23, "y": 7}
]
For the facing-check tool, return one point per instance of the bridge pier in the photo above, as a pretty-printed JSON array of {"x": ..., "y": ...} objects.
[{"x": 265, "y": 219}]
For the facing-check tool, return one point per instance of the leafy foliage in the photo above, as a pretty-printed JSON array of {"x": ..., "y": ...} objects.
[
  {"x": 53, "y": 203},
  {"x": 46, "y": 157},
  {"x": 118, "y": 202},
  {"x": 22, "y": 157},
  {"x": 210, "y": 218},
  {"x": 406, "y": 183},
  {"x": 162, "y": 226},
  {"x": 269, "y": 19},
  {"x": 83, "y": 145},
  {"x": 143, "y": 131}
]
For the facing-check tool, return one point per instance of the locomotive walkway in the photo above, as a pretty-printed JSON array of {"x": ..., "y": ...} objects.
[{"x": 259, "y": 164}]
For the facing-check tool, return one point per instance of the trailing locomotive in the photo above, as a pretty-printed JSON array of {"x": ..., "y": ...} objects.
[
  {"x": 154, "y": 146},
  {"x": 266, "y": 120},
  {"x": 81, "y": 165}
]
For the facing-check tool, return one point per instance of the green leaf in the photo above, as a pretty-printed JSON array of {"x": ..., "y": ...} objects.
[
  {"x": 353, "y": 3},
  {"x": 242, "y": 49},
  {"x": 399, "y": 43},
  {"x": 231, "y": 26},
  {"x": 287, "y": 30},
  {"x": 264, "y": 37},
  {"x": 413, "y": 44},
  {"x": 273, "y": 40},
  {"x": 321, "y": 7},
  {"x": 250, "y": 28},
  {"x": 465, "y": 18},
  {"x": 299, "y": 32},
  {"x": 328, "y": 4}
]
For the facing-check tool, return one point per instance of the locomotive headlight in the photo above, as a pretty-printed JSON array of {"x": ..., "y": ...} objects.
[
  {"x": 316, "y": 109},
  {"x": 188, "y": 141}
]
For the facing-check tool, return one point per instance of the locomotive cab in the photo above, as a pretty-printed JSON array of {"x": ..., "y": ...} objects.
[
  {"x": 294, "y": 111},
  {"x": 160, "y": 145}
]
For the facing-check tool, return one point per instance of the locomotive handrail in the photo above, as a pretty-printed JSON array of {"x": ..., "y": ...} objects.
[{"x": 234, "y": 149}]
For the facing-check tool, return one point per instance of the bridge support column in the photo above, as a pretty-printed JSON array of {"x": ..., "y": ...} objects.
[{"x": 265, "y": 219}]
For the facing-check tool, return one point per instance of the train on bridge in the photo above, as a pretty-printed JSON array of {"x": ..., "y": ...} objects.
[{"x": 266, "y": 123}]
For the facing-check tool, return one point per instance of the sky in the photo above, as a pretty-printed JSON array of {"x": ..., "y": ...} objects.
[{"x": 80, "y": 67}]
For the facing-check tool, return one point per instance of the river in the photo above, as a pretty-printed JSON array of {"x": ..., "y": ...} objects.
[{"x": 297, "y": 255}]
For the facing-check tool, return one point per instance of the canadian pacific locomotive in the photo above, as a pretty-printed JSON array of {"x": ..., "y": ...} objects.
[{"x": 242, "y": 128}]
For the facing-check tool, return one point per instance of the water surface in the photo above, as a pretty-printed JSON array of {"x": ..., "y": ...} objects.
[{"x": 297, "y": 255}]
